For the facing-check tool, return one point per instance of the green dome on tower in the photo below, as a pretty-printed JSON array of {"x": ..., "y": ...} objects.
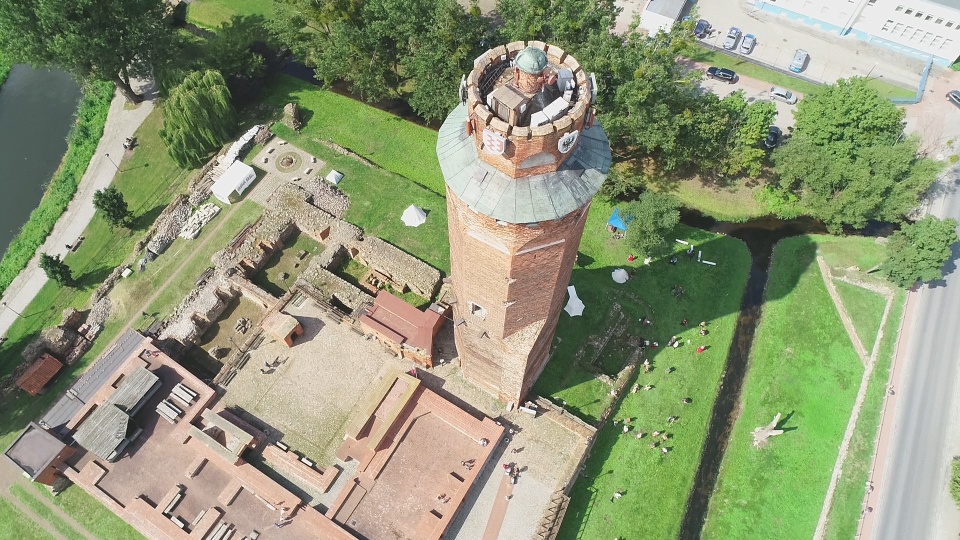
[{"x": 532, "y": 60}]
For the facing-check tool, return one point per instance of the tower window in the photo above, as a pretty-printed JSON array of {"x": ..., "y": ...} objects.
[{"x": 478, "y": 311}]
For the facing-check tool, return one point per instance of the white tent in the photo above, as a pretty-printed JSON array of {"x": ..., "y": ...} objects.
[
  {"x": 413, "y": 216},
  {"x": 574, "y": 306},
  {"x": 620, "y": 275},
  {"x": 334, "y": 177},
  {"x": 233, "y": 182}
]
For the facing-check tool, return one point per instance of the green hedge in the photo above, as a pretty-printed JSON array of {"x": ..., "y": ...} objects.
[
  {"x": 4, "y": 69},
  {"x": 81, "y": 145}
]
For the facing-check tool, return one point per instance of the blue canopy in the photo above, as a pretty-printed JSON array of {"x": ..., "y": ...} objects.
[{"x": 617, "y": 221}]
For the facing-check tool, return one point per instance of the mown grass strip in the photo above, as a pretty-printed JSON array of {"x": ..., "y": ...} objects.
[{"x": 44, "y": 512}]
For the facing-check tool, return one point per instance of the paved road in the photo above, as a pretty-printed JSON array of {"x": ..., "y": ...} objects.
[{"x": 914, "y": 501}]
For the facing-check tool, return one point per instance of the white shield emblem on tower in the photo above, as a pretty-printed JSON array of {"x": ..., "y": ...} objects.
[
  {"x": 494, "y": 142},
  {"x": 565, "y": 144}
]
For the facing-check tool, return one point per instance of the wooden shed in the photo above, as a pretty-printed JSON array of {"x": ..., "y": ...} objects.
[{"x": 39, "y": 374}]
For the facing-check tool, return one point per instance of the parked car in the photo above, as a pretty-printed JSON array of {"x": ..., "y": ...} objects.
[
  {"x": 722, "y": 74},
  {"x": 953, "y": 96},
  {"x": 800, "y": 59},
  {"x": 773, "y": 137},
  {"x": 748, "y": 43},
  {"x": 702, "y": 29},
  {"x": 733, "y": 35},
  {"x": 784, "y": 95}
]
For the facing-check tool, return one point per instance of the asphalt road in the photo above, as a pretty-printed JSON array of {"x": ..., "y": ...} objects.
[{"x": 915, "y": 502}]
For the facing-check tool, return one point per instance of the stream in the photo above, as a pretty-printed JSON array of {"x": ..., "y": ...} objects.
[{"x": 760, "y": 235}]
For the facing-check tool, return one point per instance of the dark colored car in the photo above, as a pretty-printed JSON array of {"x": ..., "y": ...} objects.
[
  {"x": 953, "y": 96},
  {"x": 722, "y": 74},
  {"x": 702, "y": 29},
  {"x": 773, "y": 137}
]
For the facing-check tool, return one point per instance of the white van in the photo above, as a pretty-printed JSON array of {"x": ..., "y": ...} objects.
[{"x": 800, "y": 59}]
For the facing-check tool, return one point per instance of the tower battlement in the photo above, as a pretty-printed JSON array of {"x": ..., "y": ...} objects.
[{"x": 527, "y": 104}]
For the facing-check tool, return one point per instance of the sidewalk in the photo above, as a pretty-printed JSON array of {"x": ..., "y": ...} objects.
[{"x": 120, "y": 124}]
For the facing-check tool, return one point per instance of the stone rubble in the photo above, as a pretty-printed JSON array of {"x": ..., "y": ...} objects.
[{"x": 203, "y": 215}]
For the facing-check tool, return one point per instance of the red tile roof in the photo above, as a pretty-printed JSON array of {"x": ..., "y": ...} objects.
[
  {"x": 39, "y": 374},
  {"x": 403, "y": 323}
]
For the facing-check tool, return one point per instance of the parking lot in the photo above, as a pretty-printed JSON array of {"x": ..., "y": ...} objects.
[
  {"x": 831, "y": 57},
  {"x": 753, "y": 90}
]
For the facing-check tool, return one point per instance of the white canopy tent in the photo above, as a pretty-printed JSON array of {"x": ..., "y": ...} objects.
[
  {"x": 334, "y": 177},
  {"x": 233, "y": 182},
  {"x": 620, "y": 275},
  {"x": 413, "y": 216},
  {"x": 574, "y": 305}
]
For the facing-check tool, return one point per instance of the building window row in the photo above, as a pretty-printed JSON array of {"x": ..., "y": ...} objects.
[
  {"x": 926, "y": 17},
  {"x": 915, "y": 34}
]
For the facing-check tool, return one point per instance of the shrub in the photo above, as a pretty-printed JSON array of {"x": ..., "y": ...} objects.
[
  {"x": 81, "y": 145},
  {"x": 955, "y": 480}
]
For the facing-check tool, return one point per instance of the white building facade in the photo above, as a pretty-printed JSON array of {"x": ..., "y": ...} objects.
[{"x": 921, "y": 28}]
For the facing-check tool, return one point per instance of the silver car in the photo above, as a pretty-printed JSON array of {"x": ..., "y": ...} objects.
[
  {"x": 784, "y": 95},
  {"x": 748, "y": 43},
  {"x": 733, "y": 35}
]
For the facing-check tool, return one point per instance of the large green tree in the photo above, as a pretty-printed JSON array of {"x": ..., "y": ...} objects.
[
  {"x": 649, "y": 220},
  {"x": 112, "y": 40},
  {"x": 197, "y": 118},
  {"x": 114, "y": 207},
  {"x": 918, "y": 251},
  {"x": 848, "y": 160},
  {"x": 567, "y": 23},
  {"x": 413, "y": 49},
  {"x": 56, "y": 269}
]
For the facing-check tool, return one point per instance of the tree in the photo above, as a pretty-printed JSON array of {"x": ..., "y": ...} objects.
[
  {"x": 918, "y": 252},
  {"x": 197, "y": 118},
  {"x": 56, "y": 269},
  {"x": 747, "y": 128},
  {"x": 848, "y": 161},
  {"x": 566, "y": 23},
  {"x": 649, "y": 219},
  {"x": 844, "y": 117},
  {"x": 111, "y": 40},
  {"x": 114, "y": 207}
]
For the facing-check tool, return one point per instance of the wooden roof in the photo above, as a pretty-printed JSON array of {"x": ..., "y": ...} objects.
[
  {"x": 106, "y": 427},
  {"x": 39, "y": 374}
]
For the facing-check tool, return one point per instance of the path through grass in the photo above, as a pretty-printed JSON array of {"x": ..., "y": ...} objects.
[
  {"x": 44, "y": 512},
  {"x": 15, "y": 525}
]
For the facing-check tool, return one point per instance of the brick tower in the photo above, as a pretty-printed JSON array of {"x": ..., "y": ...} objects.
[{"x": 522, "y": 158}]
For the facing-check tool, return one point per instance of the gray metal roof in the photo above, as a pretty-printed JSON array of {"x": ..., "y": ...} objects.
[
  {"x": 67, "y": 406},
  {"x": 531, "y": 199},
  {"x": 667, "y": 8}
]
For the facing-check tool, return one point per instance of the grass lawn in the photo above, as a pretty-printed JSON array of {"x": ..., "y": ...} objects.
[
  {"x": 286, "y": 263},
  {"x": 389, "y": 141},
  {"x": 92, "y": 515},
  {"x": 17, "y": 526},
  {"x": 378, "y": 199},
  {"x": 213, "y": 13},
  {"x": 31, "y": 501},
  {"x": 735, "y": 202},
  {"x": 865, "y": 308},
  {"x": 620, "y": 462},
  {"x": 802, "y": 365},
  {"x": 890, "y": 91}
]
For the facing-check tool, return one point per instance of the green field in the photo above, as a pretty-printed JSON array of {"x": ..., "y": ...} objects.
[
  {"x": 802, "y": 365},
  {"x": 213, "y": 13},
  {"x": 92, "y": 515},
  {"x": 865, "y": 308},
  {"x": 618, "y": 461},
  {"x": 389, "y": 141},
  {"x": 44, "y": 512},
  {"x": 18, "y": 526}
]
